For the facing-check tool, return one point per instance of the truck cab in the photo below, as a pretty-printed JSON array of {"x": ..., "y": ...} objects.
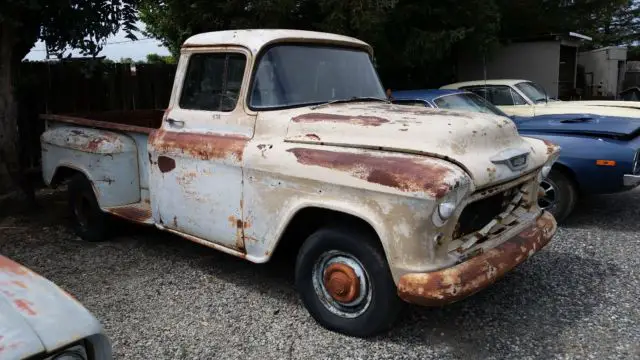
[{"x": 283, "y": 137}]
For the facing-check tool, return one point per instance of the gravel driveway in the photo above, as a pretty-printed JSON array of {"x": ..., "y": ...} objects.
[{"x": 163, "y": 298}]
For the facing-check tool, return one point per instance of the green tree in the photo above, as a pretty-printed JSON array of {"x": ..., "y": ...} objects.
[
  {"x": 62, "y": 25},
  {"x": 609, "y": 22},
  {"x": 409, "y": 36},
  {"x": 159, "y": 59}
]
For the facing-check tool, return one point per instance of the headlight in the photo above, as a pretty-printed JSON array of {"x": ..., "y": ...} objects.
[
  {"x": 449, "y": 204},
  {"x": 69, "y": 355},
  {"x": 74, "y": 353},
  {"x": 546, "y": 169},
  {"x": 446, "y": 209}
]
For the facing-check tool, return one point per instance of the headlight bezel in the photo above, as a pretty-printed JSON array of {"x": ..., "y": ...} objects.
[
  {"x": 77, "y": 352},
  {"x": 447, "y": 206},
  {"x": 546, "y": 168}
]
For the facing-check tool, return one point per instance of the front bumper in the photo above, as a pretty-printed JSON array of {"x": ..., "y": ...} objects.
[
  {"x": 631, "y": 180},
  {"x": 458, "y": 282}
]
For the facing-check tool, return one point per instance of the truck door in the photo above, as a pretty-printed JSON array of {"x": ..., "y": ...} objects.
[{"x": 196, "y": 156}]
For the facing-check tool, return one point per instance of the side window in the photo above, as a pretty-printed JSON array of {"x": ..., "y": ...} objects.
[
  {"x": 498, "y": 95},
  {"x": 517, "y": 99},
  {"x": 213, "y": 82},
  {"x": 411, "y": 102}
]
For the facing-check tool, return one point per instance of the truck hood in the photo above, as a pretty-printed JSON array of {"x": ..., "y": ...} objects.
[
  {"x": 581, "y": 124},
  {"x": 36, "y": 315},
  {"x": 481, "y": 144},
  {"x": 582, "y": 107}
]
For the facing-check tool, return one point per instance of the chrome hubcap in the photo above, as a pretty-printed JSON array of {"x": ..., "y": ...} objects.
[
  {"x": 342, "y": 284},
  {"x": 549, "y": 199}
]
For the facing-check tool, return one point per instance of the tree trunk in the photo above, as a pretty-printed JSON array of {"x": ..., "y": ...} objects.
[{"x": 12, "y": 175}]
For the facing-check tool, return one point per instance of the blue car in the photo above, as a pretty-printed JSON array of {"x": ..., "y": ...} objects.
[{"x": 599, "y": 154}]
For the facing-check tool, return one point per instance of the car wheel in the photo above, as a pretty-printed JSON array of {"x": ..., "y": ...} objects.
[
  {"x": 560, "y": 195},
  {"x": 345, "y": 283},
  {"x": 88, "y": 220}
]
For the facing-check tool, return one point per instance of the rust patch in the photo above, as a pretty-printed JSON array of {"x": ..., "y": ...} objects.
[
  {"x": 457, "y": 282},
  {"x": 19, "y": 284},
  {"x": 342, "y": 119},
  {"x": 166, "y": 164},
  {"x": 342, "y": 282},
  {"x": 133, "y": 213},
  {"x": 25, "y": 306},
  {"x": 405, "y": 174},
  {"x": 10, "y": 266},
  {"x": 551, "y": 147},
  {"x": 240, "y": 226},
  {"x": 201, "y": 146},
  {"x": 313, "y": 137}
]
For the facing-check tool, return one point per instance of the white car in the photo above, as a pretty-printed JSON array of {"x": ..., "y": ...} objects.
[{"x": 526, "y": 98}]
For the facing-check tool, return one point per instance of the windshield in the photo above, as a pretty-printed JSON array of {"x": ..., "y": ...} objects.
[
  {"x": 533, "y": 91},
  {"x": 298, "y": 75},
  {"x": 467, "y": 102}
]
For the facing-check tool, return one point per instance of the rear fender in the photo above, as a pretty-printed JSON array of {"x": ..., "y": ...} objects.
[{"x": 108, "y": 159}]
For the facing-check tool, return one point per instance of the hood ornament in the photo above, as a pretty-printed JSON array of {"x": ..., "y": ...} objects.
[{"x": 515, "y": 159}]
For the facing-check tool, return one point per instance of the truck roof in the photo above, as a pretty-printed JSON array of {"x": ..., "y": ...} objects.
[{"x": 256, "y": 39}]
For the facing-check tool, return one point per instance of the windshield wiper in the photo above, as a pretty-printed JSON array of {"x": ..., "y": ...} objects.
[{"x": 353, "y": 99}]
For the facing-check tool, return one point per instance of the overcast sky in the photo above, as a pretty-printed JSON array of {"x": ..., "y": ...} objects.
[{"x": 117, "y": 47}]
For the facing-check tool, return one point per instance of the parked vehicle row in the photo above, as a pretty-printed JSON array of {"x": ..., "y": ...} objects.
[
  {"x": 285, "y": 138},
  {"x": 599, "y": 154},
  {"x": 526, "y": 98}
]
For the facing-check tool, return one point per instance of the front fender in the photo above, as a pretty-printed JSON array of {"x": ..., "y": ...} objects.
[
  {"x": 580, "y": 153},
  {"x": 281, "y": 180}
]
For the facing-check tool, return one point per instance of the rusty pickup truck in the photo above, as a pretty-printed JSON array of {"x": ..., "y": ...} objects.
[{"x": 279, "y": 138}]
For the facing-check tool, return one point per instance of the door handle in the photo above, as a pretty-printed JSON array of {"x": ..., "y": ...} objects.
[{"x": 174, "y": 122}]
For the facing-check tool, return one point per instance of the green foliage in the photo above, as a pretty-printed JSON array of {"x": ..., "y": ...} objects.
[
  {"x": 406, "y": 34},
  {"x": 64, "y": 24},
  {"x": 159, "y": 59}
]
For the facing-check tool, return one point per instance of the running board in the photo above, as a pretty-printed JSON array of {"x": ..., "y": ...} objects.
[{"x": 138, "y": 212}]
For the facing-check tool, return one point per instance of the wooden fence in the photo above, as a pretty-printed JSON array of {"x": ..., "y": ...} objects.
[{"x": 84, "y": 86}]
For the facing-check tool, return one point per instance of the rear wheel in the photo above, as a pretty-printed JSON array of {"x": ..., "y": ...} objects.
[
  {"x": 560, "y": 195},
  {"x": 345, "y": 283},
  {"x": 89, "y": 221}
]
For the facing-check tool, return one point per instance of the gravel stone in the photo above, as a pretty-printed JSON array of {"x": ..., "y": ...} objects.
[{"x": 160, "y": 297}]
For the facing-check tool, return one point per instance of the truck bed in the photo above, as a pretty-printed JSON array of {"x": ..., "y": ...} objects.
[{"x": 140, "y": 121}]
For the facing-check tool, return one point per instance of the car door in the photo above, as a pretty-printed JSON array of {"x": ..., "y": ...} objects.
[{"x": 196, "y": 172}]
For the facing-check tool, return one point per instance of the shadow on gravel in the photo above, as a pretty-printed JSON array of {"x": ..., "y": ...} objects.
[
  {"x": 551, "y": 292},
  {"x": 614, "y": 212}
]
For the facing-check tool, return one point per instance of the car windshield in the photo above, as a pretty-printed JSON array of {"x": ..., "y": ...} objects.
[
  {"x": 533, "y": 91},
  {"x": 467, "y": 102},
  {"x": 298, "y": 75}
]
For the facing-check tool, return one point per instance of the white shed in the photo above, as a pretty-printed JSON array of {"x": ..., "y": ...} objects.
[{"x": 604, "y": 70}]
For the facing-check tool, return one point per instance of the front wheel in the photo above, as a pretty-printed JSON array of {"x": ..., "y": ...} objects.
[
  {"x": 560, "y": 195},
  {"x": 345, "y": 283}
]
